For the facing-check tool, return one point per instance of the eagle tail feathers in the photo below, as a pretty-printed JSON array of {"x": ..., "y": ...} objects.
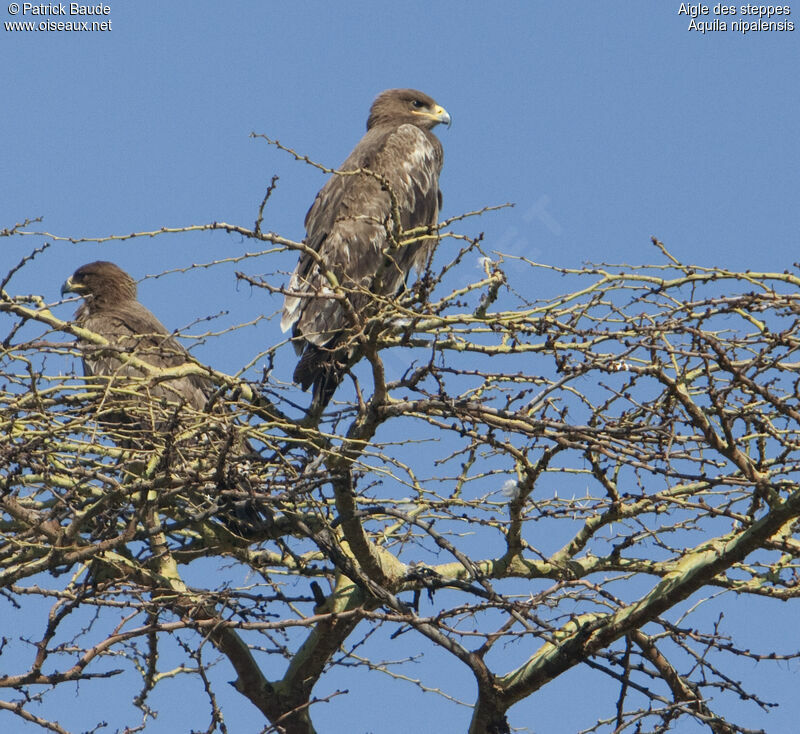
[{"x": 322, "y": 369}]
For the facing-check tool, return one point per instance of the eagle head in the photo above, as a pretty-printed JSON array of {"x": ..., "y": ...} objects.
[
  {"x": 399, "y": 106},
  {"x": 101, "y": 281}
]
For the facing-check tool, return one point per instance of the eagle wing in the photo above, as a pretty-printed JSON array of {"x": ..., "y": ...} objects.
[
  {"x": 346, "y": 227},
  {"x": 133, "y": 329}
]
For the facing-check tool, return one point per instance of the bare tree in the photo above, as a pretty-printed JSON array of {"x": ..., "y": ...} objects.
[{"x": 600, "y": 458}]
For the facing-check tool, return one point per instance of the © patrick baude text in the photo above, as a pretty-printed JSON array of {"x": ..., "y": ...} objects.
[
  {"x": 59, "y": 9},
  {"x": 737, "y": 18}
]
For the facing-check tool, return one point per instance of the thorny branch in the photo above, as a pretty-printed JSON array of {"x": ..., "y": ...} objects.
[{"x": 555, "y": 474}]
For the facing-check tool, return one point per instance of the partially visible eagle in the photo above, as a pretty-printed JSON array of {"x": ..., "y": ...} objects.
[
  {"x": 110, "y": 309},
  {"x": 348, "y": 228},
  {"x": 140, "y": 412}
]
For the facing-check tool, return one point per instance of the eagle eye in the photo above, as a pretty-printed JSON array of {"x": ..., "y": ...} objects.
[{"x": 416, "y": 103}]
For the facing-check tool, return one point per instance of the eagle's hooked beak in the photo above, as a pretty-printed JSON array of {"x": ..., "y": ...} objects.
[
  {"x": 438, "y": 115},
  {"x": 441, "y": 115},
  {"x": 70, "y": 286}
]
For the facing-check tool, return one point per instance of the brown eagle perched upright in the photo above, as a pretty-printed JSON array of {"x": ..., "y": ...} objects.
[{"x": 348, "y": 228}]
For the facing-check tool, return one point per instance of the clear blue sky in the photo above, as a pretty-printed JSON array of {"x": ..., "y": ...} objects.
[{"x": 605, "y": 122}]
